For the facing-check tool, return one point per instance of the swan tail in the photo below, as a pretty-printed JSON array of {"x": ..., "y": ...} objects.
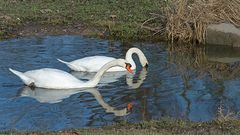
[
  {"x": 73, "y": 67},
  {"x": 28, "y": 81},
  {"x": 63, "y": 61},
  {"x": 67, "y": 63}
]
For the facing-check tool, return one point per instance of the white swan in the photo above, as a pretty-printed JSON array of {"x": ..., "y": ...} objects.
[
  {"x": 94, "y": 63},
  {"x": 57, "y": 95},
  {"x": 58, "y": 79}
]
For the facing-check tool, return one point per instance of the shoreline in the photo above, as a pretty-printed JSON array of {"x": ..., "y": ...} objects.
[{"x": 153, "y": 127}]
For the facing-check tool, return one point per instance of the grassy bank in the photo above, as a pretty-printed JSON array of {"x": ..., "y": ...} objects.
[
  {"x": 117, "y": 19},
  {"x": 163, "y": 127},
  {"x": 126, "y": 19},
  {"x": 184, "y": 20}
]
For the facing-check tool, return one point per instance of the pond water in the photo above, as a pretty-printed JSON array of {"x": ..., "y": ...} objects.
[{"x": 170, "y": 87}]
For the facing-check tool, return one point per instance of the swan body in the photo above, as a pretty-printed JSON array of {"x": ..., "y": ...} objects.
[
  {"x": 57, "y": 79},
  {"x": 94, "y": 63}
]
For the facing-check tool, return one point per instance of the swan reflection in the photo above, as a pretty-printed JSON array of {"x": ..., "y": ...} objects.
[
  {"x": 58, "y": 95},
  {"x": 136, "y": 83},
  {"x": 54, "y": 96}
]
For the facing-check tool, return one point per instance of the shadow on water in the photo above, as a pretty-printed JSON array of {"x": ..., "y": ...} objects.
[{"x": 181, "y": 82}]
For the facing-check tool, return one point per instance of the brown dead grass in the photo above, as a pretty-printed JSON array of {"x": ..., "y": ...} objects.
[{"x": 186, "y": 20}]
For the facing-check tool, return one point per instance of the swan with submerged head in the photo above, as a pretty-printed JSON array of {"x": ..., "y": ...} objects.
[
  {"x": 57, "y": 79},
  {"x": 94, "y": 63}
]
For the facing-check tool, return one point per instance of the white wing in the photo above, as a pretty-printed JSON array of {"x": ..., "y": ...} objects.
[
  {"x": 94, "y": 63},
  {"x": 52, "y": 78}
]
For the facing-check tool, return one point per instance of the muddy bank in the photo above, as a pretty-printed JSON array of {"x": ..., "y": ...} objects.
[
  {"x": 31, "y": 29},
  {"x": 216, "y": 34}
]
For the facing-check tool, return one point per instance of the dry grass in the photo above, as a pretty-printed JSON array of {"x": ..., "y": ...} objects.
[
  {"x": 186, "y": 20},
  {"x": 161, "y": 127},
  {"x": 223, "y": 116}
]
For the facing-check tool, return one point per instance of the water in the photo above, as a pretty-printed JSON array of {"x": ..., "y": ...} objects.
[{"x": 170, "y": 87}]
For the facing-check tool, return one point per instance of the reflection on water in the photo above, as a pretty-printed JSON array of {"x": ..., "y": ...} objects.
[
  {"x": 178, "y": 84},
  {"x": 223, "y": 54},
  {"x": 136, "y": 81},
  {"x": 55, "y": 96},
  {"x": 106, "y": 78},
  {"x": 133, "y": 81}
]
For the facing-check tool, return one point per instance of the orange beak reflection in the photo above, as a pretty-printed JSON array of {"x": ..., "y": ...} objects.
[
  {"x": 128, "y": 67},
  {"x": 129, "y": 106}
]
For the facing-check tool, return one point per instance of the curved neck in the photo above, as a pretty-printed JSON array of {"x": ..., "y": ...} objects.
[
  {"x": 129, "y": 58},
  {"x": 93, "y": 82},
  {"x": 140, "y": 55}
]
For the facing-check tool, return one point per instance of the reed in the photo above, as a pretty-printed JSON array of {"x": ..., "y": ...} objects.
[{"x": 187, "y": 19}]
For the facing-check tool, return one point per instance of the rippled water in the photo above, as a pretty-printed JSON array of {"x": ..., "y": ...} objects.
[{"x": 168, "y": 87}]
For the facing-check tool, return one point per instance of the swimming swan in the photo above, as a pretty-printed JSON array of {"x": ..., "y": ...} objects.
[
  {"x": 58, "y": 95},
  {"x": 94, "y": 63},
  {"x": 57, "y": 79}
]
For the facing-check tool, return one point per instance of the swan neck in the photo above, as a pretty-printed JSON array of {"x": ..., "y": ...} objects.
[
  {"x": 140, "y": 54},
  {"x": 130, "y": 59},
  {"x": 93, "y": 82}
]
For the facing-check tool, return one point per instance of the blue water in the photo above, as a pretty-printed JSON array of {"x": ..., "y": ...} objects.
[{"x": 160, "y": 91}]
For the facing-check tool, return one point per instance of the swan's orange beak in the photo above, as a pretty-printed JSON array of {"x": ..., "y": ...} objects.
[
  {"x": 128, "y": 67},
  {"x": 129, "y": 106}
]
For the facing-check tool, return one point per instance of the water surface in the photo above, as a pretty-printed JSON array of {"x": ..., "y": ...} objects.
[{"x": 170, "y": 87}]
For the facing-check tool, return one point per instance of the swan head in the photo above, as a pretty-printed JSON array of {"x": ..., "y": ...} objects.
[
  {"x": 128, "y": 67},
  {"x": 125, "y": 64},
  {"x": 142, "y": 58}
]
